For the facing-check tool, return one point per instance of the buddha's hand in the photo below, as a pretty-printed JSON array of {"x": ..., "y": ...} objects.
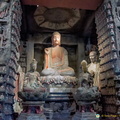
[{"x": 47, "y": 50}]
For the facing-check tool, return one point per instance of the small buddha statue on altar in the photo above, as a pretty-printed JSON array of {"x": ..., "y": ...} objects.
[
  {"x": 56, "y": 59},
  {"x": 33, "y": 95},
  {"x": 86, "y": 94},
  {"x": 85, "y": 74},
  {"x": 32, "y": 79}
]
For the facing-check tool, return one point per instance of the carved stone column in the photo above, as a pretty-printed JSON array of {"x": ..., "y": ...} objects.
[
  {"x": 107, "y": 20},
  {"x": 10, "y": 21}
]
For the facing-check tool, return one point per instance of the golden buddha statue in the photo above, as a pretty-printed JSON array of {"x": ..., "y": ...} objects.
[{"x": 56, "y": 59}]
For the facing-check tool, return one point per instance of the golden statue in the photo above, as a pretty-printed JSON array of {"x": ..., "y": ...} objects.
[{"x": 56, "y": 59}]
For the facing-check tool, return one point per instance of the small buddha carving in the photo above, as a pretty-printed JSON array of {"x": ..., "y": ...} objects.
[
  {"x": 85, "y": 74},
  {"x": 86, "y": 94},
  {"x": 56, "y": 59},
  {"x": 32, "y": 79}
]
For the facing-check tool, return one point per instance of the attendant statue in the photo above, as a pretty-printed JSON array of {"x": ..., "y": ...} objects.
[
  {"x": 32, "y": 95},
  {"x": 32, "y": 79},
  {"x": 56, "y": 59},
  {"x": 94, "y": 68},
  {"x": 86, "y": 94},
  {"x": 85, "y": 74}
]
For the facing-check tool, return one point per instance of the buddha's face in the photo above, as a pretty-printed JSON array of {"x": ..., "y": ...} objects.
[
  {"x": 93, "y": 57},
  {"x": 34, "y": 66},
  {"x": 56, "y": 40}
]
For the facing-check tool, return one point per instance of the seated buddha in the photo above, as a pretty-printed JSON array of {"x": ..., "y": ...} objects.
[
  {"x": 56, "y": 59},
  {"x": 32, "y": 79}
]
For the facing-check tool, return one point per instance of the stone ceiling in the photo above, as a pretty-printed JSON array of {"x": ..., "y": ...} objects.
[
  {"x": 74, "y": 17},
  {"x": 63, "y": 19},
  {"x": 56, "y": 18}
]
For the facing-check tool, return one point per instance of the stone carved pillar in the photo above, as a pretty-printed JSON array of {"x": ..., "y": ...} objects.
[
  {"x": 109, "y": 48},
  {"x": 10, "y": 22}
]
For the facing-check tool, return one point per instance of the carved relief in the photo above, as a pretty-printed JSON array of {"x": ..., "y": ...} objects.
[
  {"x": 9, "y": 52},
  {"x": 4, "y": 9},
  {"x": 56, "y": 18},
  {"x": 108, "y": 44}
]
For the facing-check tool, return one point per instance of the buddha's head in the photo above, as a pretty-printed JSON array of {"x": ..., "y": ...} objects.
[
  {"x": 93, "y": 56},
  {"x": 33, "y": 65},
  {"x": 84, "y": 66},
  {"x": 56, "y": 39}
]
